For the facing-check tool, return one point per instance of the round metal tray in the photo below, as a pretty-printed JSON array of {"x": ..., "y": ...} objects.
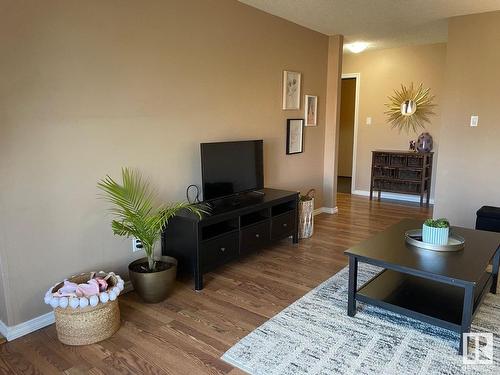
[{"x": 414, "y": 237}]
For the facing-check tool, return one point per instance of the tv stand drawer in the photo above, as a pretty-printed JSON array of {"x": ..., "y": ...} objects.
[
  {"x": 283, "y": 225},
  {"x": 254, "y": 237},
  {"x": 218, "y": 251}
]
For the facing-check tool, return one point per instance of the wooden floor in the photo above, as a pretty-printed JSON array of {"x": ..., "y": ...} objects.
[{"x": 189, "y": 332}]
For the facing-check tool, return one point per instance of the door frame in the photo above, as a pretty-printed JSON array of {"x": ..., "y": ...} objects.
[{"x": 357, "y": 76}]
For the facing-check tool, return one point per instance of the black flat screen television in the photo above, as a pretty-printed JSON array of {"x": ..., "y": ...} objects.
[{"x": 229, "y": 168}]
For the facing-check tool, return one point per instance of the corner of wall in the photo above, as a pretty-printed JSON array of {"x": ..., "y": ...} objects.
[
  {"x": 4, "y": 306},
  {"x": 334, "y": 75}
]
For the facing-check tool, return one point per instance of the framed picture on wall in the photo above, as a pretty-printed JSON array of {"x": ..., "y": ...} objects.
[
  {"x": 311, "y": 110},
  {"x": 291, "y": 90},
  {"x": 294, "y": 136}
]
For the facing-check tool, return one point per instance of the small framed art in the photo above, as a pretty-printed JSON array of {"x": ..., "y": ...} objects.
[
  {"x": 311, "y": 110},
  {"x": 291, "y": 90},
  {"x": 294, "y": 136}
]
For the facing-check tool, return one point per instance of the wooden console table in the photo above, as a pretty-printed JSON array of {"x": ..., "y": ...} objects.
[{"x": 404, "y": 172}]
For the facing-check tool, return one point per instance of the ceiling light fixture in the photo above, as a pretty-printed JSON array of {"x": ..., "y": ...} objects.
[{"x": 356, "y": 47}]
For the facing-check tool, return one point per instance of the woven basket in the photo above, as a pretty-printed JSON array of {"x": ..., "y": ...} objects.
[
  {"x": 88, "y": 325},
  {"x": 306, "y": 219}
]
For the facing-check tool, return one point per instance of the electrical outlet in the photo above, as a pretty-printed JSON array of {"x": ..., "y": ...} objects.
[{"x": 136, "y": 245}]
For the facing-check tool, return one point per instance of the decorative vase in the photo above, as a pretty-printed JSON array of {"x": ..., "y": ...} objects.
[
  {"x": 436, "y": 236},
  {"x": 424, "y": 142},
  {"x": 153, "y": 287},
  {"x": 306, "y": 217}
]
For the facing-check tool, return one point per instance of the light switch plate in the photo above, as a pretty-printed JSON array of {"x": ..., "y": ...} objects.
[
  {"x": 368, "y": 121},
  {"x": 474, "y": 120}
]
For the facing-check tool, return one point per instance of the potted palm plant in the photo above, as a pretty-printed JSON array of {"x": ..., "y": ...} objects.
[{"x": 136, "y": 215}]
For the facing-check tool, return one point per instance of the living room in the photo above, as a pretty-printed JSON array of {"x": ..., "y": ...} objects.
[{"x": 90, "y": 88}]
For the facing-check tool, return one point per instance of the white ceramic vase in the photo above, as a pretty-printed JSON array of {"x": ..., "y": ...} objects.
[{"x": 436, "y": 236}]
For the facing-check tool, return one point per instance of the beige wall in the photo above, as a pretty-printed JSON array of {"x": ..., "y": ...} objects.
[
  {"x": 346, "y": 126},
  {"x": 469, "y": 158},
  {"x": 89, "y": 87},
  {"x": 382, "y": 71}
]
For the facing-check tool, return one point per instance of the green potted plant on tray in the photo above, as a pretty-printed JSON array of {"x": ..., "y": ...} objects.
[
  {"x": 436, "y": 231},
  {"x": 136, "y": 215}
]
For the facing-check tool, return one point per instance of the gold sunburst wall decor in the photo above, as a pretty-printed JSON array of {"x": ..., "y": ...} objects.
[{"x": 410, "y": 108}]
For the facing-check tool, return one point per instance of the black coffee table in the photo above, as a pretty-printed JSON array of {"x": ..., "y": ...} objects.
[{"x": 443, "y": 289}]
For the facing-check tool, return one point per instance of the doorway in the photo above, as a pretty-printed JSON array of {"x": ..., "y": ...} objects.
[{"x": 346, "y": 166}]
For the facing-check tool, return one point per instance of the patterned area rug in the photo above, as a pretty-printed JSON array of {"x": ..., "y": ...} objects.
[{"x": 315, "y": 336}]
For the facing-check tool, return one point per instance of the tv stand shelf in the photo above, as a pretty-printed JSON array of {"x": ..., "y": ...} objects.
[{"x": 230, "y": 231}]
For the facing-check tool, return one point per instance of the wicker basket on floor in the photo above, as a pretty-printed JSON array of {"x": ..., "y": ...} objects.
[
  {"x": 88, "y": 325},
  {"x": 306, "y": 219}
]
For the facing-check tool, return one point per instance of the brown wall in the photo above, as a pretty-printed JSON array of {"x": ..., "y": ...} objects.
[
  {"x": 382, "y": 71},
  {"x": 469, "y": 158},
  {"x": 89, "y": 87},
  {"x": 346, "y": 126}
]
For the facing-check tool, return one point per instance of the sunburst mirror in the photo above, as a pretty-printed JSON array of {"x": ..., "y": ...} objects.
[{"x": 410, "y": 108}]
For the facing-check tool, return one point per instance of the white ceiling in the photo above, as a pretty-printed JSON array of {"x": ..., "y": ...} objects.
[{"x": 382, "y": 23}]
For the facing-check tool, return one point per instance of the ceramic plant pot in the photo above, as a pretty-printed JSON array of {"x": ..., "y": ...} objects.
[
  {"x": 153, "y": 287},
  {"x": 436, "y": 236}
]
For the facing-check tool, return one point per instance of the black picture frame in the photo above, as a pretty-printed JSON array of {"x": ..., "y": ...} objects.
[{"x": 291, "y": 138}]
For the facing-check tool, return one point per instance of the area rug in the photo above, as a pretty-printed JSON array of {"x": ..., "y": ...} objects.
[{"x": 314, "y": 335}]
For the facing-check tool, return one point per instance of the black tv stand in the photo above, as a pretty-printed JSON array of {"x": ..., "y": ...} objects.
[
  {"x": 235, "y": 201},
  {"x": 230, "y": 231}
]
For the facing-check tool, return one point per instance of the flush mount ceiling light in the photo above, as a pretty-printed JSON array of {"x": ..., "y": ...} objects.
[{"x": 356, "y": 47}]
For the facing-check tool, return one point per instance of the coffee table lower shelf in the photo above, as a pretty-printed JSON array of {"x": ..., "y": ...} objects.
[{"x": 427, "y": 300}]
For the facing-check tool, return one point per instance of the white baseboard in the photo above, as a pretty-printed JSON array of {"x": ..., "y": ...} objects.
[
  {"x": 14, "y": 332},
  {"x": 326, "y": 210},
  {"x": 395, "y": 196},
  {"x": 21, "y": 329}
]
